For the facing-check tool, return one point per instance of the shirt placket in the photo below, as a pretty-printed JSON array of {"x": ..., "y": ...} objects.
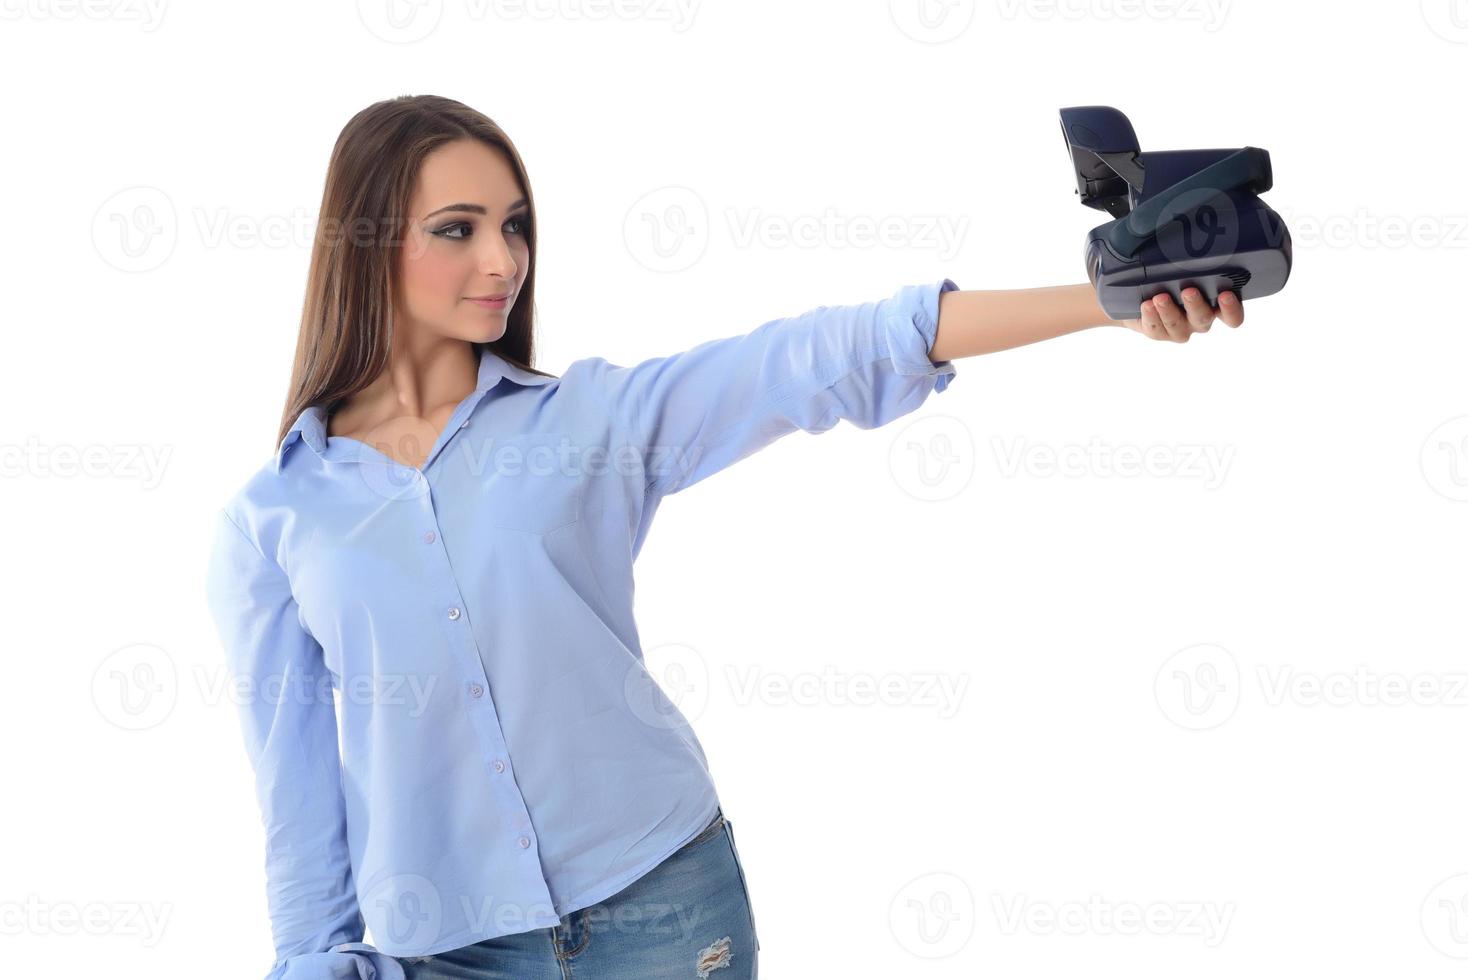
[{"x": 534, "y": 900}]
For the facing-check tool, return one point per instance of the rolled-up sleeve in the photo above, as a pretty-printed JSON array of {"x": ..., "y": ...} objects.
[
  {"x": 703, "y": 409},
  {"x": 290, "y": 734}
]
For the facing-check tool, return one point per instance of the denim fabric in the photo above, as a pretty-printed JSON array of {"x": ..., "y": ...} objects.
[{"x": 690, "y": 917}]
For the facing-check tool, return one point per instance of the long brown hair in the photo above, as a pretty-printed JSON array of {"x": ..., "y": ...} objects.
[{"x": 346, "y": 319}]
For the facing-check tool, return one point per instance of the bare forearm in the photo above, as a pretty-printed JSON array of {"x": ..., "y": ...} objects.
[{"x": 981, "y": 321}]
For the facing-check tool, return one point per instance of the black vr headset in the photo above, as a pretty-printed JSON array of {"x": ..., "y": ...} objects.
[{"x": 1183, "y": 217}]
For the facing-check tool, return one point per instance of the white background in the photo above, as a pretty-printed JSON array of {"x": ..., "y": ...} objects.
[{"x": 1307, "y": 820}]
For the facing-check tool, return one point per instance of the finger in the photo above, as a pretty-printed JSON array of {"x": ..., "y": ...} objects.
[
  {"x": 1200, "y": 314},
  {"x": 1151, "y": 322},
  {"x": 1230, "y": 308},
  {"x": 1172, "y": 318}
]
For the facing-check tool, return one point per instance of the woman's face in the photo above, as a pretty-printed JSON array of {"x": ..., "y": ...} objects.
[{"x": 466, "y": 238}]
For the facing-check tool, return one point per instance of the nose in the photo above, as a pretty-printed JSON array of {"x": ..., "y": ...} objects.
[{"x": 495, "y": 258}]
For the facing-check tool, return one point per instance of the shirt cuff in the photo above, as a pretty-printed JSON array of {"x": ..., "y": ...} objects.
[
  {"x": 912, "y": 326},
  {"x": 344, "y": 961}
]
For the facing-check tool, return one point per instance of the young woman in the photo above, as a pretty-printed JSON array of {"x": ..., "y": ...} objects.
[{"x": 427, "y": 590}]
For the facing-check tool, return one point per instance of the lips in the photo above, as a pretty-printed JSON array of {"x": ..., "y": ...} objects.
[{"x": 489, "y": 299}]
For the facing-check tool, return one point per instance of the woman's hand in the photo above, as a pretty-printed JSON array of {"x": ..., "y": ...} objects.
[{"x": 1162, "y": 319}]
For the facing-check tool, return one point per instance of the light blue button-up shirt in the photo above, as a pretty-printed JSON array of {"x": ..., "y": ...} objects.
[{"x": 441, "y": 684}]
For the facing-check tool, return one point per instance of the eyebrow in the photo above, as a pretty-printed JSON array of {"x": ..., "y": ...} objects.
[{"x": 472, "y": 208}]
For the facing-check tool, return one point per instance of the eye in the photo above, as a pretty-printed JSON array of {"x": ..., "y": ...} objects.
[
  {"x": 520, "y": 224},
  {"x": 444, "y": 231}
]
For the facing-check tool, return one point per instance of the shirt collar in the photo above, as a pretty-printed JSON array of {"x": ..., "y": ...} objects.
[{"x": 310, "y": 425}]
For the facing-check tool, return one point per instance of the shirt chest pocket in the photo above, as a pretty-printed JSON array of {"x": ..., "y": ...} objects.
[{"x": 533, "y": 484}]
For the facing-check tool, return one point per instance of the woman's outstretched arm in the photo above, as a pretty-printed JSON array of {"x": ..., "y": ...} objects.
[{"x": 982, "y": 321}]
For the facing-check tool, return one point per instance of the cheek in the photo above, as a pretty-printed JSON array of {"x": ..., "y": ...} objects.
[{"x": 432, "y": 275}]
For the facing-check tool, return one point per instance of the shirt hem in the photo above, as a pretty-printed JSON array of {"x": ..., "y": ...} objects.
[
  {"x": 603, "y": 891},
  {"x": 583, "y": 900}
]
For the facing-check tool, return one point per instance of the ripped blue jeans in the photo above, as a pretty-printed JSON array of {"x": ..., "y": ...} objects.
[{"x": 689, "y": 918}]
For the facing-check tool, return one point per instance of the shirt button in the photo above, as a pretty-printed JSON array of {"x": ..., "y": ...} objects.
[
  {"x": 524, "y": 841},
  {"x": 428, "y": 537},
  {"x": 475, "y": 690},
  {"x": 453, "y": 612},
  {"x": 499, "y": 766},
  {"x": 464, "y": 424}
]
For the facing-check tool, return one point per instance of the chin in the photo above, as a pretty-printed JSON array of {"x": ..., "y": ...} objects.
[{"x": 484, "y": 333}]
